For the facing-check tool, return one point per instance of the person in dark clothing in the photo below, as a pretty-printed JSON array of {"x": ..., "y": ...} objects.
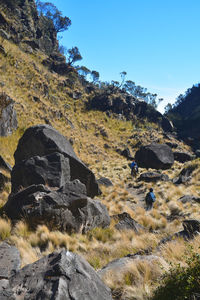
[
  {"x": 150, "y": 199},
  {"x": 134, "y": 168}
]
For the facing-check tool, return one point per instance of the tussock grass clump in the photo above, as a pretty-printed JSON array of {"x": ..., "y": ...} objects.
[{"x": 5, "y": 229}]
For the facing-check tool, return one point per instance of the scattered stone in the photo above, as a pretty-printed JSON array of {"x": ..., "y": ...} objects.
[
  {"x": 104, "y": 181},
  {"x": 183, "y": 156},
  {"x": 155, "y": 156},
  {"x": 153, "y": 177},
  {"x": 63, "y": 275},
  {"x": 126, "y": 222}
]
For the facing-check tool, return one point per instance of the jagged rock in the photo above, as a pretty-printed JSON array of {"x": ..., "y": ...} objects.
[
  {"x": 41, "y": 140},
  {"x": 4, "y": 165},
  {"x": 67, "y": 208},
  {"x": 63, "y": 275},
  {"x": 183, "y": 156},
  {"x": 189, "y": 198},
  {"x": 52, "y": 170},
  {"x": 8, "y": 117},
  {"x": 153, "y": 177},
  {"x": 5, "y": 291},
  {"x": 185, "y": 175},
  {"x": 167, "y": 125},
  {"x": 155, "y": 156},
  {"x": 126, "y": 222},
  {"x": 10, "y": 261},
  {"x": 104, "y": 181}
]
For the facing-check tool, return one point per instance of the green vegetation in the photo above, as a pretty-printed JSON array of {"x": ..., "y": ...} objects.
[{"x": 181, "y": 282}]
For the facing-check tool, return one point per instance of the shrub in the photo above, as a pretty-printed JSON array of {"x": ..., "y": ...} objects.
[{"x": 181, "y": 282}]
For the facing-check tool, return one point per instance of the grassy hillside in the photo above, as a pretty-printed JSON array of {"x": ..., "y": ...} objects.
[{"x": 43, "y": 97}]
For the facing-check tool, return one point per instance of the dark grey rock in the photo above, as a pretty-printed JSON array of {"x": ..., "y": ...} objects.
[
  {"x": 10, "y": 261},
  {"x": 126, "y": 222},
  {"x": 153, "y": 177},
  {"x": 63, "y": 276},
  {"x": 183, "y": 156},
  {"x": 42, "y": 140},
  {"x": 167, "y": 125},
  {"x": 8, "y": 116},
  {"x": 104, "y": 181},
  {"x": 4, "y": 165},
  {"x": 52, "y": 170},
  {"x": 189, "y": 198},
  {"x": 155, "y": 156},
  {"x": 67, "y": 209}
]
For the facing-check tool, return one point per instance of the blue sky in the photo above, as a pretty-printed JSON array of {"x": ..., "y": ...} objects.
[{"x": 156, "y": 42}]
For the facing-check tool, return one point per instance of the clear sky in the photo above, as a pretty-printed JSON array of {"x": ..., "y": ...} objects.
[{"x": 156, "y": 42}]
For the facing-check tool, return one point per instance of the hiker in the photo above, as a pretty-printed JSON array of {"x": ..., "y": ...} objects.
[
  {"x": 150, "y": 199},
  {"x": 134, "y": 168}
]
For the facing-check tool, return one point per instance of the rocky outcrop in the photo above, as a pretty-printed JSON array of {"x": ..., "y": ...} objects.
[
  {"x": 42, "y": 140},
  {"x": 130, "y": 107},
  {"x": 67, "y": 209},
  {"x": 22, "y": 24},
  {"x": 153, "y": 177},
  {"x": 191, "y": 228},
  {"x": 155, "y": 156},
  {"x": 3, "y": 180},
  {"x": 62, "y": 275},
  {"x": 8, "y": 116}
]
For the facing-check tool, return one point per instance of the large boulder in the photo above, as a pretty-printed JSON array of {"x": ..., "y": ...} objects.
[
  {"x": 8, "y": 116},
  {"x": 155, "y": 156},
  {"x": 185, "y": 175},
  {"x": 41, "y": 140},
  {"x": 67, "y": 208},
  {"x": 63, "y": 275},
  {"x": 52, "y": 170}
]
